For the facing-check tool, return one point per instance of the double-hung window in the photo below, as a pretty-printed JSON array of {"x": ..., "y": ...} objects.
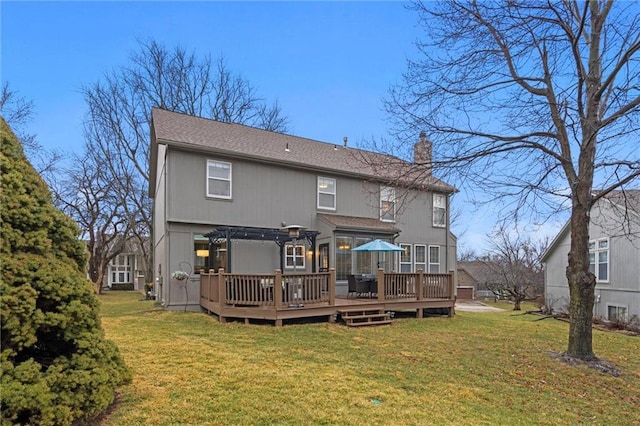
[
  {"x": 439, "y": 210},
  {"x": 420, "y": 257},
  {"x": 294, "y": 257},
  {"x": 387, "y": 204},
  {"x": 326, "y": 193},
  {"x": 599, "y": 259},
  {"x": 218, "y": 179},
  {"x": 434, "y": 259},
  {"x": 406, "y": 258}
]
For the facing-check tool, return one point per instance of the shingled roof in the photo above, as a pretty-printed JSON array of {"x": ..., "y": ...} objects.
[
  {"x": 240, "y": 141},
  {"x": 358, "y": 223}
]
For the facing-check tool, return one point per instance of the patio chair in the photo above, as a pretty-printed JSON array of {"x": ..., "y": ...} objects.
[
  {"x": 353, "y": 287},
  {"x": 362, "y": 287}
]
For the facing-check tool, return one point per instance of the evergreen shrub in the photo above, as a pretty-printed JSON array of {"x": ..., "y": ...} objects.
[{"x": 57, "y": 366}]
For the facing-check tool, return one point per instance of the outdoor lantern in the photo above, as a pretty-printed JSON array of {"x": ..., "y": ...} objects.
[{"x": 294, "y": 230}]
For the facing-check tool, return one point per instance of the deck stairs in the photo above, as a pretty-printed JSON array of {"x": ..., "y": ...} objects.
[{"x": 358, "y": 317}]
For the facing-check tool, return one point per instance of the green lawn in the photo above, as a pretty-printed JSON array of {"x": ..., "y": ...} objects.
[{"x": 476, "y": 368}]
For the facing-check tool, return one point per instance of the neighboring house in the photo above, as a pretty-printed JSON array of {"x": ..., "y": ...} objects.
[
  {"x": 614, "y": 257},
  {"x": 472, "y": 278},
  {"x": 476, "y": 278},
  {"x": 222, "y": 192},
  {"x": 126, "y": 270}
]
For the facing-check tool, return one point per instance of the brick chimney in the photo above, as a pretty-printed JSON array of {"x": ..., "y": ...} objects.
[{"x": 422, "y": 151}]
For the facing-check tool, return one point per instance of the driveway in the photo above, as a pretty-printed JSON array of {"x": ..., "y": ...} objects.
[{"x": 475, "y": 306}]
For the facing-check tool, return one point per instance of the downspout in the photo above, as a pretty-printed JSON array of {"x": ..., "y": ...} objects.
[{"x": 228, "y": 251}]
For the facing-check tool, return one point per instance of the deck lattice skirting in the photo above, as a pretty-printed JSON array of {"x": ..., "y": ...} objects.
[{"x": 277, "y": 297}]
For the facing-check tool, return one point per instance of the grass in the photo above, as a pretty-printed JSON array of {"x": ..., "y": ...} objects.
[{"x": 476, "y": 368}]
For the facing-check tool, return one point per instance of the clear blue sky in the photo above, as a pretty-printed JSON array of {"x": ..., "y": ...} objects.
[{"x": 327, "y": 63}]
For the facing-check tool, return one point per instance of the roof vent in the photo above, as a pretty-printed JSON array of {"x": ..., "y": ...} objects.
[
  {"x": 345, "y": 139},
  {"x": 286, "y": 147}
]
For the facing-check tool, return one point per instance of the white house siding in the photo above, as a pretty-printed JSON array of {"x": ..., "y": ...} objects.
[{"x": 623, "y": 287}]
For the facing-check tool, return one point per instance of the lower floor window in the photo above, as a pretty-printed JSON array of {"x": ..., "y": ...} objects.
[
  {"x": 434, "y": 259},
  {"x": 617, "y": 313},
  {"x": 294, "y": 256},
  {"x": 120, "y": 269}
]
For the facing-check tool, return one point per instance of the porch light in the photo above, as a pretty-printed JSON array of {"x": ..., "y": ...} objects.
[{"x": 202, "y": 253}]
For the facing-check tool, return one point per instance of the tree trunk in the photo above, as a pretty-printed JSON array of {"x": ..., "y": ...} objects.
[
  {"x": 98, "y": 283},
  {"x": 581, "y": 286},
  {"x": 516, "y": 304}
]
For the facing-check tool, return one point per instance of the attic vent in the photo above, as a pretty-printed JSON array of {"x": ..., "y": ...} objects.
[{"x": 286, "y": 147}]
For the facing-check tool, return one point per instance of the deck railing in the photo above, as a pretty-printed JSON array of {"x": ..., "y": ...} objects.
[
  {"x": 294, "y": 290},
  {"x": 311, "y": 289},
  {"x": 418, "y": 285}
]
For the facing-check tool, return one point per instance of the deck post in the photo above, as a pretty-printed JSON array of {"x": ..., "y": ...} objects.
[
  {"x": 420, "y": 285},
  {"x": 222, "y": 288},
  {"x": 222, "y": 295},
  {"x": 212, "y": 273},
  {"x": 452, "y": 285},
  {"x": 380, "y": 282},
  {"x": 277, "y": 289},
  {"x": 332, "y": 286}
]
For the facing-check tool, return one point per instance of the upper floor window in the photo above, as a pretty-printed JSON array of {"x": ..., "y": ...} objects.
[
  {"x": 218, "y": 179},
  {"x": 599, "y": 259},
  {"x": 439, "y": 210},
  {"x": 387, "y": 204},
  {"x": 326, "y": 193}
]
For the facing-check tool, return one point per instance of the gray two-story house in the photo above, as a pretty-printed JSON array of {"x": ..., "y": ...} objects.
[
  {"x": 222, "y": 192},
  {"x": 614, "y": 258}
]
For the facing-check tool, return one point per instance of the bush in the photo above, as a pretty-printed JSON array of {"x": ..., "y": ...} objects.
[
  {"x": 122, "y": 286},
  {"x": 56, "y": 364}
]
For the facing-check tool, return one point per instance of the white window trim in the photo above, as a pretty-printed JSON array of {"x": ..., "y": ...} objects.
[
  {"x": 392, "y": 191},
  {"x": 432, "y": 263},
  {"x": 230, "y": 180},
  {"x": 433, "y": 221},
  {"x": 117, "y": 268},
  {"x": 613, "y": 305},
  {"x": 422, "y": 265},
  {"x": 596, "y": 251},
  {"x": 334, "y": 193},
  {"x": 410, "y": 262},
  {"x": 293, "y": 257}
]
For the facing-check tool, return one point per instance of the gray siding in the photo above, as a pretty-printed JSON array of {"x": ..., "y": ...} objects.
[
  {"x": 623, "y": 286},
  {"x": 265, "y": 195}
]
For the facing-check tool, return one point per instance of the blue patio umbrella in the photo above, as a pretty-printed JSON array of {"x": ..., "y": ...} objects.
[{"x": 378, "y": 246}]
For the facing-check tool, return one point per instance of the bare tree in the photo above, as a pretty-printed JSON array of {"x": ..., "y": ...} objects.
[
  {"x": 513, "y": 266},
  {"x": 87, "y": 194},
  {"x": 119, "y": 110},
  {"x": 18, "y": 112},
  {"x": 538, "y": 104}
]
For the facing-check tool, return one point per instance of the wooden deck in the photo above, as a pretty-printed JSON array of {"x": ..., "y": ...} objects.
[{"x": 252, "y": 296}]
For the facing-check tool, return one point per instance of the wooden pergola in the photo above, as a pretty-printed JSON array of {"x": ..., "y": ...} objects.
[{"x": 278, "y": 236}]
